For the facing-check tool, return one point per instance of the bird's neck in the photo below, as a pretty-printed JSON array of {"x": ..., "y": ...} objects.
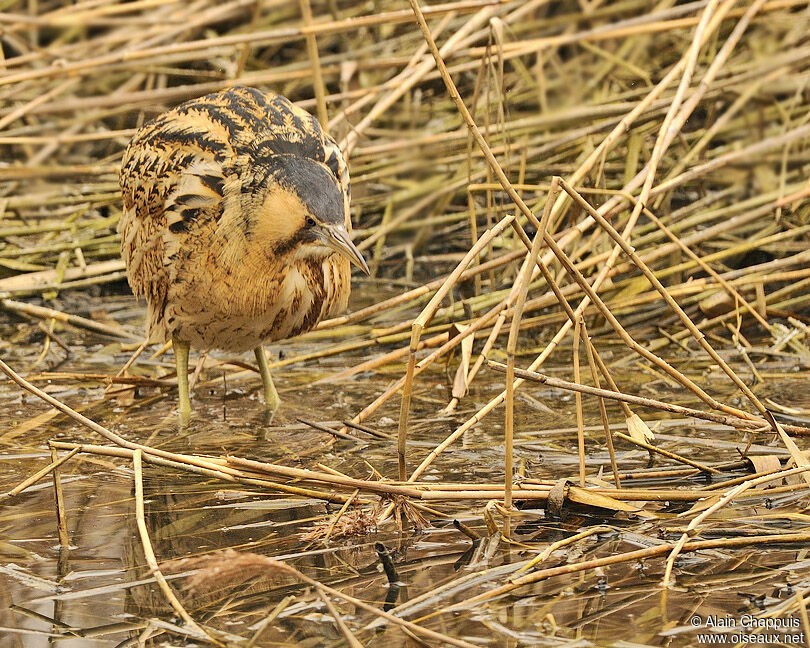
[{"x": 272, "y": 277}]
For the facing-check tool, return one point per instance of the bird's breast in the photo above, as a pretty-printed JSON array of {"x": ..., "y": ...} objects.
[{"x": 237, "y": 309}]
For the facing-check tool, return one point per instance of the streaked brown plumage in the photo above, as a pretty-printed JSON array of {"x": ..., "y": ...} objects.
[{"x": 235, "y": 224}]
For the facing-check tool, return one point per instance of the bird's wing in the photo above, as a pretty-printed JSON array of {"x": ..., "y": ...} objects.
[{"x": 172, "y": 175}]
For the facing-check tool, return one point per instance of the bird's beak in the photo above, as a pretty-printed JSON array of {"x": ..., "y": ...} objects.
[{"x": 337, "y": 238}]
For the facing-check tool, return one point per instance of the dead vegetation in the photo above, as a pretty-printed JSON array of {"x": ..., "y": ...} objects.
[{"x": 567, "y": 194}]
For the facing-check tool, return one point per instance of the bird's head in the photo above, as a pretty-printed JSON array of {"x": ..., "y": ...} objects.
[{"x": 303, "y": 211}]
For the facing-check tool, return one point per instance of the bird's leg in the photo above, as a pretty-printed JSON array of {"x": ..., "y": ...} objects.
[
  {"x": 271, "y": 399},
  {"x": 181, "y": 362}
]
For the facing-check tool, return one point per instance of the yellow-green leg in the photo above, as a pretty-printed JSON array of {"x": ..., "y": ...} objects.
[
  {"x": 181, "y": 362},
  {"x": 271, "y": 399}
]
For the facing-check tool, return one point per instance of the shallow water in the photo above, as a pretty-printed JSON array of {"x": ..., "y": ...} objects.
[{"x": 99, "y": 592}]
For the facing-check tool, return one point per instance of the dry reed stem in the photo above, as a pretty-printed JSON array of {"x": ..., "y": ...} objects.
[
  {"x": 278, "y": 609},
  {"x": 422, "y": 321},
  {"x": 602, "y": 411},
  {"x": 741, "y": 424},
  {"x": 59, "y": 502},
  {"x": 522, "y": 285},
  {"x": 797, "y": 455},
  {"x": 578, "y": 405},
  {"x": 45, "y": 313},
  {"x": 559, "y": 544},
  {"x": 339, "y": 514},
  {"x": 205, "y": 466},
  {"x": 301, "y": 473},
  {"x": 315, "y": 62},
  {"x": 33, "y": 479},
  {"x": 348, "y": 635},
  {"x": 803, "y": 615},
  {"x": 669, "y": 455},
  {"x": 629, "y": 556},
  {"x": 149, "y": 554},
  {"x": 692, "y": 528}
]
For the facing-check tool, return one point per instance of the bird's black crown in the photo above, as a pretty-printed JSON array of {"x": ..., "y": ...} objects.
[{"x": 314, "y": 184}]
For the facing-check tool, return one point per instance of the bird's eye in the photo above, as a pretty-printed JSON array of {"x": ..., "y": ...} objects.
[{"x": 310, "y": 222}]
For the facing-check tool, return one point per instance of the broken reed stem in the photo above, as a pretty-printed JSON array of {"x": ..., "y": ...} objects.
[
  {"x": 602, "y": 411},
  {"x": 422, "y": 321},
  {"x": 692, "y": 528},
  {"x": 150, "y": 554},
  {"x": 39, "y": 474},
  {"x": 697, "y": 334},
  {"x": 669, "y": 455},
  {"x": 315, "y": 63},
  {"x": 59, "y": 502},
  {"x": 578, "y": 403},
  {"x": 348, "y": 635},
  {"x": 628, "y": 413},
  {"x": 754, "y": 425},
  {"x": 522, "y": 285},
  {"x": 135, "y": 355},
  {"x": 405, "y": 404},
  {"x": 629, "y": 556}
]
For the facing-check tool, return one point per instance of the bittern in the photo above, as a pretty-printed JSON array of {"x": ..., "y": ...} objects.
[{"x": 235, "y": 226}]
